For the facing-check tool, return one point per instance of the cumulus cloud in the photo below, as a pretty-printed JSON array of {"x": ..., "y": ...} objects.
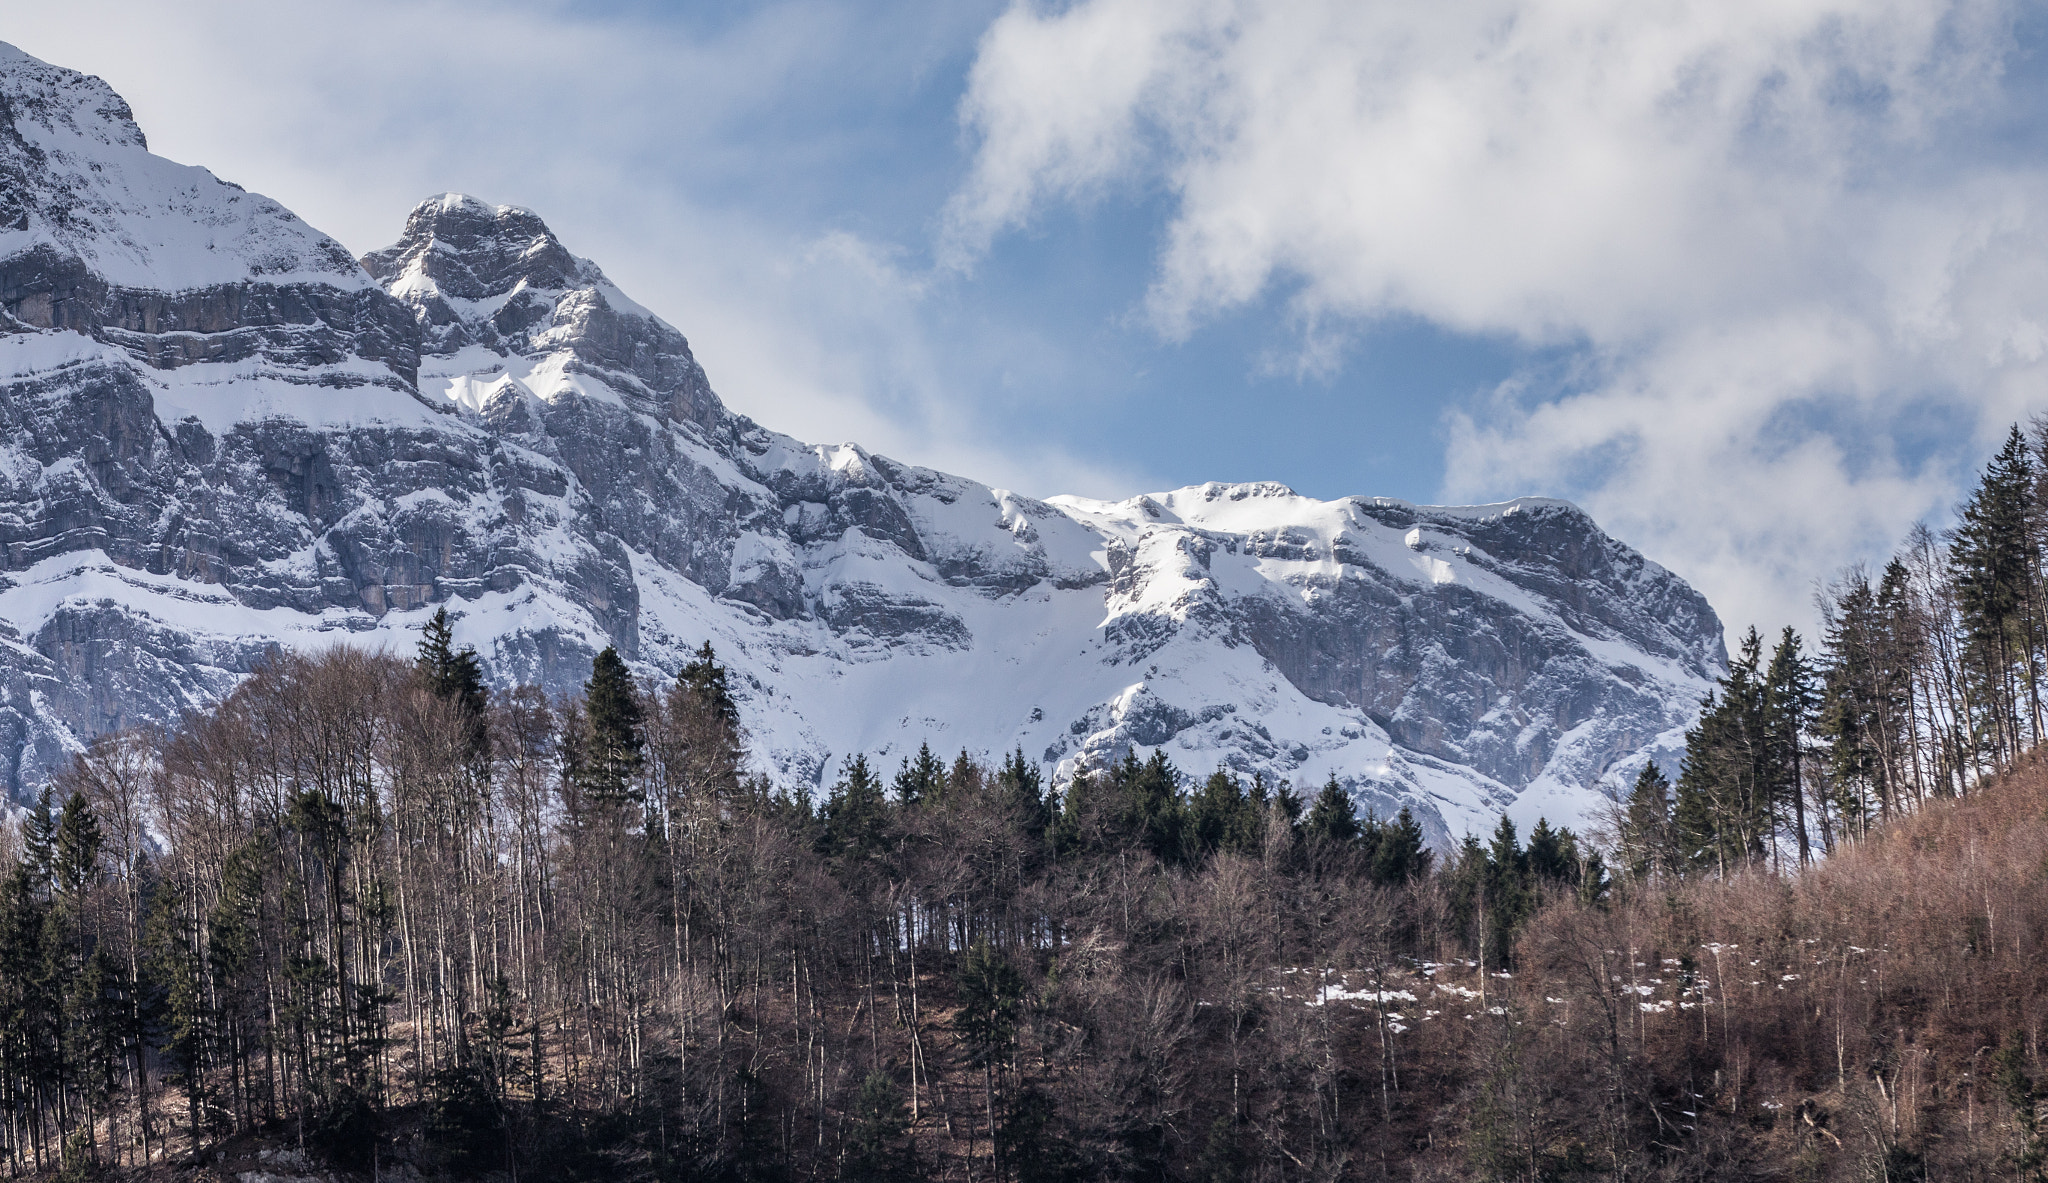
[{"x": 1764, "y": 236}]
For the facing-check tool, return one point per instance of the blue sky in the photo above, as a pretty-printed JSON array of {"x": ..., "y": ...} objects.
[{"x": 1757, "y": 283}]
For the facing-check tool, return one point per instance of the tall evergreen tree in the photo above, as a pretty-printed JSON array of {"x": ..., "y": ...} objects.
[
  {"x": 1021, "y": 784},
  {"x": 611, "y": 758},
  {"x": 704, "y": 679},
  {"x": 1401, "y": 855},
  {"x": 1646, "y": 839},
  {"x": 1331, "y": 817},
  {"x": 1994, "y": 577},
  {"x": 1789, "y": 699},
  {"x": 1722, "y": 815},
  {"x": 921, "y": 780}
]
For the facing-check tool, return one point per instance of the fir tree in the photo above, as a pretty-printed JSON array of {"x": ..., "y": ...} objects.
[
  {"x": 78, "y": 848},
  {"x": 856, "y": 814}
]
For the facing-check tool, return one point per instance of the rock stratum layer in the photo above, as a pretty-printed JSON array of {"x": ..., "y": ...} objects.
[{"x": 223, "y": 434}]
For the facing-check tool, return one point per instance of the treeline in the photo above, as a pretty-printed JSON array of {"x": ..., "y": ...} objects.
[
  {"x": 365, "y": 907},
  {"x": 368, "y": 907},
  {"x": 1928, "y": 681}
]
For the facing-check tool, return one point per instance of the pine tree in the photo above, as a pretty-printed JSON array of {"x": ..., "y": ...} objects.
[
  {"x": 1221, "y": 816},
  {"x": 455, "y": 676},
  {"x": 78, "y": 848},
  {"x": 856, "y": 814},
  {"x": 1148, "y": 795},
  {"x": 1722, "y": 815},
  {"x": 991, "y": 997},
  {"x": 39, "y": 843},
  {"x": 878, "y": 1148}
]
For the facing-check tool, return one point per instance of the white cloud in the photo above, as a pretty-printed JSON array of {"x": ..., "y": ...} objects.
[
  {"x": 1766, "y": 232},
  {"x": 679, "y": 158}
]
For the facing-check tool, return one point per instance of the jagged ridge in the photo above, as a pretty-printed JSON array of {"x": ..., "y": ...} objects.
[{"x": 263, "y": 443}]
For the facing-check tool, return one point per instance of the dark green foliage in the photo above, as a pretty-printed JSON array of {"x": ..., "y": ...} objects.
[
  {"x": 991, "y": 996},
  {"x": 1332, "y": 819},
  {"x": 1724, "y": 809},
  {"x": 856, "y": 815},
  {"x": 921, "y": 781},
  {"x": 2029, "y": 1155},
  {"x": 77, "y": 864},
  {"x": 611, "y": 757},
  {"x": 456, "y": 676},
  {"x": 1032, "y": 1143},
  {"x": 39, "y": 842},
  {"x": 1398, "y": 854},
  {"x": 705, "y": 680},
  {"x": 878, "y": 1148},
  {"x": 1223, "y": 816},
  {"x": 1646, "y": 839},
  {"x": 1023, "y": 788},
  {"x": 1996, "y": 559},
  {"x": 1494, "y": 888},
  {"x": 1135, "y": 805}
]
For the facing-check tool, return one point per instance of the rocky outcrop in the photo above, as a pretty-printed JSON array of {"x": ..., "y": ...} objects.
[{"x": 222, "y": 436}]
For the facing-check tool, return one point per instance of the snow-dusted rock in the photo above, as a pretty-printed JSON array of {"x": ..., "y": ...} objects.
[{"x": 219, "y": 434}]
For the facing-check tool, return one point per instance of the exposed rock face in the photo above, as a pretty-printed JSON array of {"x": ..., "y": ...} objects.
[{"x": 222, "y": 435}]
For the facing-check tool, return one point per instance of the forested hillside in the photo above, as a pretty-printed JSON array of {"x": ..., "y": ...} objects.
[
  {"x": 1928, "y": 680},
  {"x": 366, "y": 909}
]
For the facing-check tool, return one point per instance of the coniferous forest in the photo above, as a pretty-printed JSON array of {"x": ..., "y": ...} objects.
[{"x": 368, "y": 911}]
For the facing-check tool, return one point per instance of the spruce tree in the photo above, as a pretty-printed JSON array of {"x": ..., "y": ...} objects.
[
  {"x": 39, "y": 843},
  {"x": 1646, "y": 838},
  {"x": 611, "y": 758},
  {"x": 78, "y": 848},
  {"x": 1789, "y": 698},
  {"x": 1332, "y": 818},
  {"x": 706, "y": 682},
  {"x": 1402, "y": 856},
  {"x": 1023, "y": 787},
  {"x": 921, "y": 781},
  {"x": 856, "y": 814},
  {"x": 455, "y": 676},
  {"x": 1994, "y": 574}
]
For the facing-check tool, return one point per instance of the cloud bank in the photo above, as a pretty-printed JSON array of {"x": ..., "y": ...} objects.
[{"x": 1776, "y": 266}]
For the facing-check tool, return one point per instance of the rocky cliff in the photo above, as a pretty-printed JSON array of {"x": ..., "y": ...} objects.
[{"x": 220, "y": 434}]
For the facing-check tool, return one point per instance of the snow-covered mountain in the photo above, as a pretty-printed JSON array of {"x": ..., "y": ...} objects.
[{"x": 222, "y": 434}]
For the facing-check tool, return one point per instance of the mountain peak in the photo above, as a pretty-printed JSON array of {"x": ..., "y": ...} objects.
[
  {"x": 52, "y": 97},
  {"x": 458, "y": 247},
  {"x": 494, "y": 290}
]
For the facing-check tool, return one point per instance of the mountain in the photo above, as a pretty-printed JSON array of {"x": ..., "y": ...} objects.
[{"x": 223, "y": 434}]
